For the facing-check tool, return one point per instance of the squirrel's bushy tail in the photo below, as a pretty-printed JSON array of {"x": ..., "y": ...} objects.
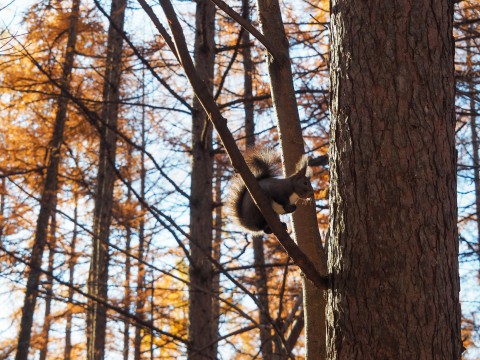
[{"x": 264, "y": 163}]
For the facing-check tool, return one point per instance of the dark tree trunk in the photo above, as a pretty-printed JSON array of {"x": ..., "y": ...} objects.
[
  {"x": 98, "y": 274},
  {"x": 216, "y": 252},
  {"x": 393, "y": 252},
  {"x": 49, "y": 192},
  {"x": 473, "y": 129},
  {"x": 127, "y": 298},
  {"x": 200, "y": 330},
  {"x": 49, "y": 285},
  {"x": 305, "y": 224}
]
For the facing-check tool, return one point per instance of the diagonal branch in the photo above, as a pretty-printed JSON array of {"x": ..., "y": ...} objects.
[
  {"x": 247, "y": 25},
  {"x": 236, "y": 157}
]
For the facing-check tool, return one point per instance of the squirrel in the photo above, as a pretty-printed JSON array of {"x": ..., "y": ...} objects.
[{"x": 283, "y": 192}]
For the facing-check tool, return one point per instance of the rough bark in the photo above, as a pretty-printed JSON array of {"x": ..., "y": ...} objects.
[
  {"x": 305, "y": 224},
  {"x": 48, "y": 193},
  {"x": 393, "y": 248},
  {"x": 200, "y": 330},
  {"x": 98, "y": 274}
]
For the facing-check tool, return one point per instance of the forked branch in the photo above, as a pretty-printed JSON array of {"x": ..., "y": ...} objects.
[{"x": 238, "y": 162}]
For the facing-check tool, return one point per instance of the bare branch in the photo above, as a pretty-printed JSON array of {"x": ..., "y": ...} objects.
[
  {"x": 246, "y": 25},
  {"x": 236, "y": 157}
]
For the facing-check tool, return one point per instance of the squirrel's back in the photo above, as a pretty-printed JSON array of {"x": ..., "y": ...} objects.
[{"x": 264, "y": 164}]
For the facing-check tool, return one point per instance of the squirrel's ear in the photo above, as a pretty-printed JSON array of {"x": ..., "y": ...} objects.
[
  {"x": 302, "y": 166},
  {"x": 309, "y": 172},
  {"x": 301, "y": 169}
]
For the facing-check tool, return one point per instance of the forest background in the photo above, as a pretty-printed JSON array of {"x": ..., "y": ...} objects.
[{"x": 148, "y": 253}]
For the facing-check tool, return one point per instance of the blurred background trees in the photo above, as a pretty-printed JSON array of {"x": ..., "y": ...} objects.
[{"x": 150, "y": 238}]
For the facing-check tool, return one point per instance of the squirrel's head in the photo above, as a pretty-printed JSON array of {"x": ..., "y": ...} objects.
[{"x": 301, "y": 180}]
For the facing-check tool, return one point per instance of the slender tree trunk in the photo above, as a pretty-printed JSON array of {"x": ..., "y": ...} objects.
[
  {"x": 216, "y": 253},
  {"x": 127, "y": 293},
  {"x": 473, "y": 127},
  {"x": 152, "y": 313},
  {"x": 200, "y": 330},
  {"x": 71, "y": 275},
  {"x": 3, "y": 194},
  {"x": 140, "y": 300},
  {"x": 393, "y": 252},
  {"x": 257, "y": 240},
  {"x": 49, "y": 285},
  {"x": 48, "y": 194},
  {"x": 98, "y": 274},
  {"x": 305, "y": 224}
]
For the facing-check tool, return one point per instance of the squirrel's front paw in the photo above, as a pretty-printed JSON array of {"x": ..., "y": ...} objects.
[{"x": 290, "y": 208}]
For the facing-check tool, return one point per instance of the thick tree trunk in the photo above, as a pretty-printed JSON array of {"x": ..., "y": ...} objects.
[
  {"x": 49, "y": 192},
  {"x": 71, "y": 275},
  {"x": 305, "y": 224},
  {"x": 98, "y": 274},
  {"x": 393, "y": 248},
  {"x": 200, "y": 330},
  {"x": 47, "y": 321}
]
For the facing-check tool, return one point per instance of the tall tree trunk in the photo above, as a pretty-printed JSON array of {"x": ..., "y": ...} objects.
[
  {"x": 216, "y": 253},
  {"x": 49, "y": 192},
  {"x": 49, "y": 285},
  {"x": 98, "y": 274},
  {"x": 473, "y": 128},
  {"x": 152, "y": 314},
  {"x": 71, "y": 275},
  {"x": 393, "y": 252},
  {"x": 140, "y": 300},
  {"x": 305, "y": 224},
  {"x": 257, "y": 240},
  {"x": 200, "y": 330},
  {"x": 127, "y": 293},
  {"x": 3, "y": 195}
]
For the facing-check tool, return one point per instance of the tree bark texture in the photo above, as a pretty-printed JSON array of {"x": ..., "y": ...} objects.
[
  {"x": 305, "y": 224},
  {"x": 49, "y": 192},
  {"x": 98, "y": 274},
  {"x": 393, "y": 248},
  {"x": 201, "y": 329}
]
